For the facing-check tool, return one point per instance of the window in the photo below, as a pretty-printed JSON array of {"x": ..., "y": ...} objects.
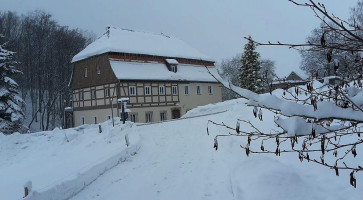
[
  {"x": 108, "y": 117},
  {"x": 174, "y": 90},
  {"x": 81, "y": 95},
  {"x": 147, "y": 90},
  {"x": 149, "y": 117},
  {"x": 95, "y": 120},
  {"x": 186, "y": 89},
  {"x": 173, "y": 68},
  {"x": 161, "y": 89},
  {"x": 93, "y": 94},
  {"x": 85, "y": 72},
  {"x": 107, "y": 92},
  {"x": 199, "y": 90},
  {"x": 98, "y": 69},
  {"x": 132, "y": 90},
  {"x": 83, "y": 121},
  {"x": 133, "y": 117},
  {"x": 163, "y": 116},
  {"x": 210, "y": 90}
]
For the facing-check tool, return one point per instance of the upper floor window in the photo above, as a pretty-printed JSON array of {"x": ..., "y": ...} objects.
[
  {"x": 147, "y": 90},
  {"x": 85, "y": 72},
  {"x": 174, "y": 90},
  {"x": 186, "y": 89},
  {"x": 107, "y": 92},
  {"x": 199, "y": 89},
  {"x": 161, "y": 90},
  {"x": 98, "y": 69},
  {"x": 81, "y": 95},
  {"x": 132, "y": 90},
  {"x": 210, "y": 89},
  {"x": 93, "y": 94}
]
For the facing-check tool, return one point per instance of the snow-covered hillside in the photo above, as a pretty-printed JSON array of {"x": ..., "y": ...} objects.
[{"x": 171, "y": 160}]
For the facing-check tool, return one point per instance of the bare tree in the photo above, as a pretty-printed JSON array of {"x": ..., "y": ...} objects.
[
  {"x": 44, "y": 49},
  {"x": 320, "y": 124}
]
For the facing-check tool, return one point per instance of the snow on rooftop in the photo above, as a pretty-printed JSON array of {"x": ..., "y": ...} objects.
[
  {"x": 159, "y": 71},
  {"x": 172, "y": 61},
  {"x": 129, "y": 41}
]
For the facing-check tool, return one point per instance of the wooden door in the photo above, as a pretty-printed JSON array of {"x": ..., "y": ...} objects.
[{"x": 175, "y": 113}]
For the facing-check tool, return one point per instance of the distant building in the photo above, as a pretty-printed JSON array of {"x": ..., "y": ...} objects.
[
  {"x": 332, "y": 80},
  {"x": 291, "y": 80},
  {"x": 162, "y": 76}
]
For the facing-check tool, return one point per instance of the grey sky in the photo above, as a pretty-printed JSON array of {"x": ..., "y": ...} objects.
[{"x": 214, "y": 27}]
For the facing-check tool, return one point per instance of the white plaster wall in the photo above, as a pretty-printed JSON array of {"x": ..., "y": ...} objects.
[{"x": 193, "y": 100}]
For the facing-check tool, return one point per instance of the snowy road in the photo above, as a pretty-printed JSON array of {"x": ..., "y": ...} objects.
[
  {"x": 177, "y": 161},
  {"x": 168, "y": 166}
]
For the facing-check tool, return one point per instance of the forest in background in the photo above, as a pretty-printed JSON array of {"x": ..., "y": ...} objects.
[{"x": 43, "y": 49}]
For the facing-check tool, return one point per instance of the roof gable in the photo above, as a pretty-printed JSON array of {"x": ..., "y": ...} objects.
[
  {"x": 129, "y": 41},
  {"x": 294, "y": 76}
]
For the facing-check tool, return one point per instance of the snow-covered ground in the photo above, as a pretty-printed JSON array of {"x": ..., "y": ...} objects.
[
  {"x": 173, "y": 160},
  {"x": 51, "y": 159}
]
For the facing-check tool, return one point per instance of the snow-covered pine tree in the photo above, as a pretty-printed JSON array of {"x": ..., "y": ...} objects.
[
  {"x": 250, "y": 77},
  {"x": 11, "y": 114}
]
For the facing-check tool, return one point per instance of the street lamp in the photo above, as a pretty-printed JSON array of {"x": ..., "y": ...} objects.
[{"x": 124, "y": 110}]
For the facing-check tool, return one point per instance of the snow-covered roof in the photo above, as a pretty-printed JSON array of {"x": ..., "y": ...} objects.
[
  {"x": 172, "y": 61},
  {"x": 129, "y": 41},
  {"x": 159, "y": 72}
]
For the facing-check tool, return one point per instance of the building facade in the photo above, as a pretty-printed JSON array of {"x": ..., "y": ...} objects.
[{"x": 162, "y": 77}]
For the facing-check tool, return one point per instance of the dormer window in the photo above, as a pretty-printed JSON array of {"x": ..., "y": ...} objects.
[
  {"x": 173, "y": 68},
  {"x": 172, "y": 65}
]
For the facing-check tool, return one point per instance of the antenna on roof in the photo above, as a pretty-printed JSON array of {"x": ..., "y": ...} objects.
[
  {"x": 164, "y": 35},
  {"x": 108, "y": 31}
]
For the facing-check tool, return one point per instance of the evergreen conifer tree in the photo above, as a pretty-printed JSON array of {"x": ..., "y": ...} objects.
[
  {"x": 250, "y": 77},
  {"x": 11, "y": 114}
]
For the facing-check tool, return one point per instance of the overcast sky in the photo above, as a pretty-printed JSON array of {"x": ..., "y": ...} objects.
[{"x": 214, "y": 27}]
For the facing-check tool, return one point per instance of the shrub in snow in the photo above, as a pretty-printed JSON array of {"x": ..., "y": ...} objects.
[
  {"x": 321, "y": 121},
  {"x": 11, "y": 114}
]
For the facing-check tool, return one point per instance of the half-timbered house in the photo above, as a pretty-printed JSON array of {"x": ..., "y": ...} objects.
[{"x": 162, "y": 76}]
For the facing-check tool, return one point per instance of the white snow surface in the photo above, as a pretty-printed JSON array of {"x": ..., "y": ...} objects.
[
  {"x": 158, "y": 71},
  {"x": 172, "y": 61},
  {"x": 59, "y": 163},
  {"x": 176, "y": 160},
  {"x": 130, "y": 41}
]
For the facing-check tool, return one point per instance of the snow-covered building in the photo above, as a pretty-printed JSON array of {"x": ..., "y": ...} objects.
[
  {"x": 293, "y": 79},
  {"x": 162, "y": 76}
]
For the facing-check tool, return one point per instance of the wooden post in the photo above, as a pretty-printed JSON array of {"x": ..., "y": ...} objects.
[{"x": 26, "y": 191}]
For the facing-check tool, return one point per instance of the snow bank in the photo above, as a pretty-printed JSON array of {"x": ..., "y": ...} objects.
[
  {"x": 68, "y": 188},
  {"x": 50, "y": 158}
]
